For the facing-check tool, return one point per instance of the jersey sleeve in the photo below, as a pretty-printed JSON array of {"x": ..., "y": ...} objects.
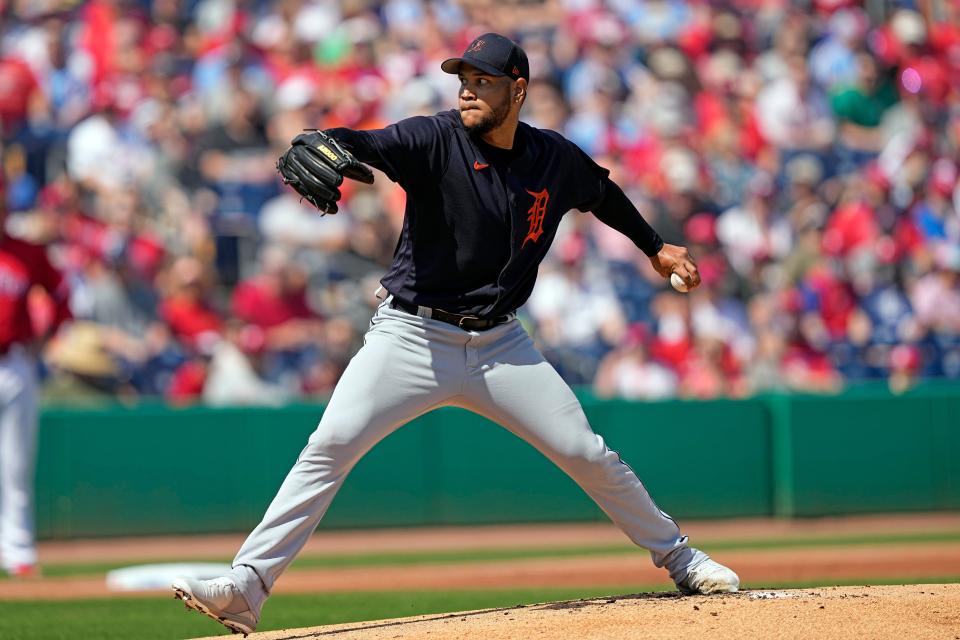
[
  {"x": 588, "y": 179},
  {"x": 409, "y": 151}
]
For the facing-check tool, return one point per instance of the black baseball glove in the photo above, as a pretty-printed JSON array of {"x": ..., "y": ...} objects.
[{"x": 316, "y": 164}]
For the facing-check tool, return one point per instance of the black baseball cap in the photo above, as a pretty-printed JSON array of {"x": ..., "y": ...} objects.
[{"x": 494, "y": 54}]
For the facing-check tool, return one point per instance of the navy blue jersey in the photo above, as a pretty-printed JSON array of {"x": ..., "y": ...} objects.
[{"x": 479, "y": 220}]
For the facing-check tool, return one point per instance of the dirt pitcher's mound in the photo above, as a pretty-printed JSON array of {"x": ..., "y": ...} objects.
[{"x": 828, "y": 613}]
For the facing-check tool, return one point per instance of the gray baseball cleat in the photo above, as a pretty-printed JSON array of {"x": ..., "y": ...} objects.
[
  {"x": 708, "y": 576},
  {"x": 219, "y": 599}
]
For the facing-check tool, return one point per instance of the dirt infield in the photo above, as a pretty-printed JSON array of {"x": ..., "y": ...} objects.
[
  {"x": 179, "y": 548},
  {"x": 758, "y": 567},
  {"x": 918, "y": 612}
]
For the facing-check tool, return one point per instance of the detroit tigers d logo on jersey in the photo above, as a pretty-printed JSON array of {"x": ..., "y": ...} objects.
[{"x": 535, "y": 215}]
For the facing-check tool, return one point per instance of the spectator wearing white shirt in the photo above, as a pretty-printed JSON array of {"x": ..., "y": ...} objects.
[
  {"x": 628, "y": 372},
  {"x": 794, "y": 113}
]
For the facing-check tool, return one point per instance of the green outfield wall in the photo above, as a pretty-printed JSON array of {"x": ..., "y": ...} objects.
[{"x": 154, "y": 470}]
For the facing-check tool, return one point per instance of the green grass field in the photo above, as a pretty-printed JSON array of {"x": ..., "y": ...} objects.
[
  {"x": 308, "y": 561},
  {"x": 166, "y": 619}
]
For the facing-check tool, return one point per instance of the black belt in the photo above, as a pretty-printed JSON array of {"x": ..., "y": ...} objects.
[{"x": 467, "y": 323}]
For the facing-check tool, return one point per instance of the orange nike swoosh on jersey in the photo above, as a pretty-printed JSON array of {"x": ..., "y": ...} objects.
[{"x": 478, "y": 166}]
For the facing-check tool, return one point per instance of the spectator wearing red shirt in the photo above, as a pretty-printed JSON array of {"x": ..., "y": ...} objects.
[
  {"x": 276, "y": 302},
  {"x": 18, "y": 89},
  {"x": 24, "y": 268},
  {"x": 184, "y": 308},
  {"x": 194, "y": 322}
]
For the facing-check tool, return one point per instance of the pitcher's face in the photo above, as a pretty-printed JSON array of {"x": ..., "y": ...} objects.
[{"x": 484, "y": 99}]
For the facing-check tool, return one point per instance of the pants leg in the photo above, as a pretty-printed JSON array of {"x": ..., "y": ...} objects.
[
  {"x": 402, "y": 371},
  {"x": 513, "y": 385},
  {"x": 18, "y": 444}
]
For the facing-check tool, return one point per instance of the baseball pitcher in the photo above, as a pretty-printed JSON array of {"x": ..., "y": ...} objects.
[{"x": 485, "y": 194}]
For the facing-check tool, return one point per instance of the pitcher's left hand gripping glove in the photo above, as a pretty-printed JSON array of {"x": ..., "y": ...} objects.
[{"x": 315, "y": 166}]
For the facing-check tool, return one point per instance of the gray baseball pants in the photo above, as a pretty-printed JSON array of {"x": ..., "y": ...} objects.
[
  {"x": 410, "y": 365},
  {"x": 18, "y": 447}
]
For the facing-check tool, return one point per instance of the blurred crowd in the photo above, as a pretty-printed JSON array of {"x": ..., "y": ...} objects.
[{"x": 807, "y": 153}]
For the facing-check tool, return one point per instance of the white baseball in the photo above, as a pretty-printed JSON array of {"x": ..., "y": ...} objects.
[{"x": 677, "y": 283}]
